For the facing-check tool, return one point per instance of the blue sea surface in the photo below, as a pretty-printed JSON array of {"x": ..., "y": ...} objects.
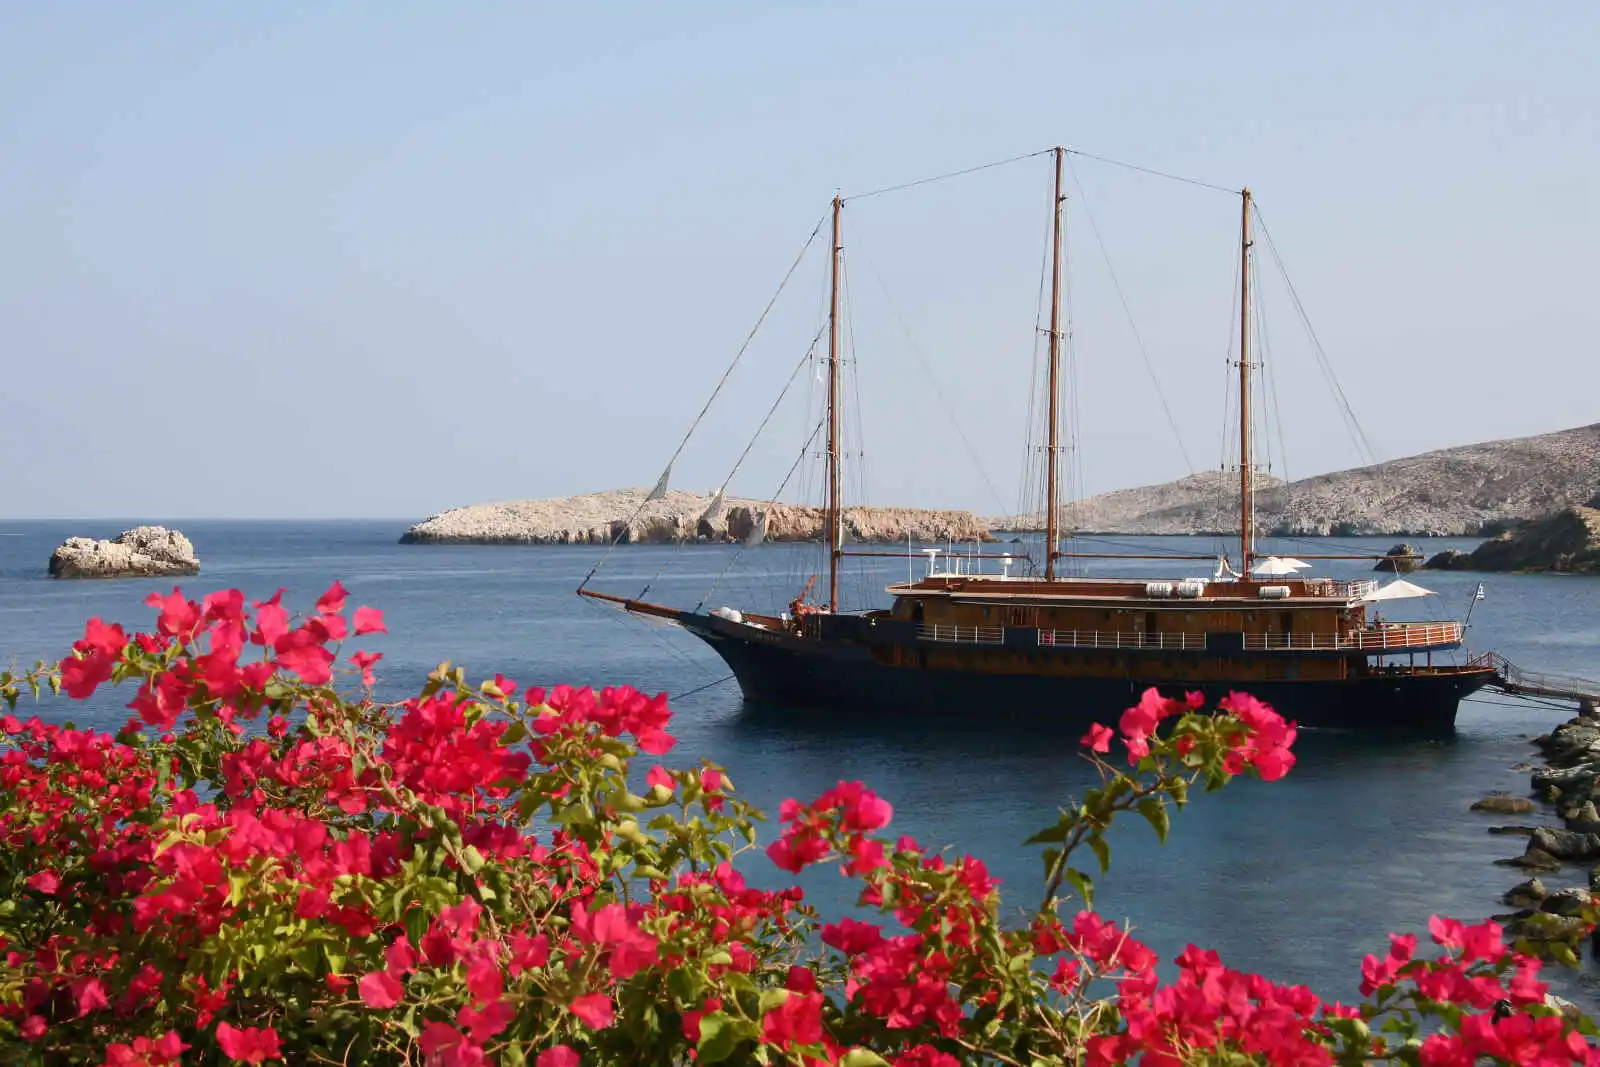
[{"x": 1298, "y": 879}]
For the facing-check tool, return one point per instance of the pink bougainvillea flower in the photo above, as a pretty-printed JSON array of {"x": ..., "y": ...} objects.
[
  {"x": 364, "y": 662},
  {"x": 594, "y": 1009},
  {"x": 46, "y": 882},
  {"x": 658, "y": 776},
  {"x": 557, "y": 1056},
  {"x": 380, "y": 989},
  {"x": 1098, "y": 738},
  {"x": 89, "y": 994},
  {"x": 179, "y": 618},
  {"x": 254, "y": 1044},
  {"x": 333, "y": 600},
  {"x": 370, "y": 621}
]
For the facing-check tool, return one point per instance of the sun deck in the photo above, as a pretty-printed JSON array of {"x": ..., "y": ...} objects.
[{"x": 1095, "y": 592}]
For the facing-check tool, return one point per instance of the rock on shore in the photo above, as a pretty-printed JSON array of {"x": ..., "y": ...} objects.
[
  {"x": 1567, "y": 542},
  {"x": 598, "y": 518},
  {"x": 142, "y": 552}
]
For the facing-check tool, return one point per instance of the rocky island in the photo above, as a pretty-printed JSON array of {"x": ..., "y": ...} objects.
[
  {"x": 142, "y": 552},
  {"x": 676, "y": 518},
  {"x": 1468, "y": 491}
]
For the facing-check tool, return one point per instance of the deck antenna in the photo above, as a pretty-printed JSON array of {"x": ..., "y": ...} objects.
[
  {"x": 1246, "y": 489},
  {"x": 833, "y": 512},
  {"x": 1052, "y": 531}
]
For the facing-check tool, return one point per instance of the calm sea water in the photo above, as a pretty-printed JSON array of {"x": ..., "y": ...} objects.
[{"x": 1298, "y": 879}]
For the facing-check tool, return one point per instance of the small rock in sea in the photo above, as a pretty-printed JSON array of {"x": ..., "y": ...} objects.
[
  {"x": 142, "y": 552},
  {"x": 1401, "y": 559},
  {"x": 1565, "y": 844},
  {"x": 1533, "y": 860},
  {"x": 1565, "y": 902},
  {"x": 1587, "y": 813},
  {"x": 1543, "y": 926},
  {"x": 1594, "y": 880},
  {"x": 1570, "y": 781},
  {"x": 1529, "y": 894},
  {"x": 1505, "y": 804},
  {"x": 1512, "y": 831}
]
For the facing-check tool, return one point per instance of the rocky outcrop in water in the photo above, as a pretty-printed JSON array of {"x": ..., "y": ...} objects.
[
  {"x": 1468, "y": 491},
  {"x": 1401, "y": 559},
  {"x": 1567, "y": 542},
  {"x": 600, "y": 518},
  {"x": 142, "y": 552}
]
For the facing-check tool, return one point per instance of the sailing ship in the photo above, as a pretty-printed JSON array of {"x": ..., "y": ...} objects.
[{"x": 1069, "y": 647}]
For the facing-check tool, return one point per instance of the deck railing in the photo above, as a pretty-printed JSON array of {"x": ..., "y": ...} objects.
[
  {"x": 1354, "y": 589},
  {"x": 1371, "y": 639},
  {"x": 1117, "y": 639},
  {"x": 967, "y": 635}
]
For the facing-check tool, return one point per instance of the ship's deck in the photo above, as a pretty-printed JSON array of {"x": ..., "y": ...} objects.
[{"x": 1123, "y": 592}]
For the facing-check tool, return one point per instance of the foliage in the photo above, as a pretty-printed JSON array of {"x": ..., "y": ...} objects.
[{"x": 266, "y": 864}]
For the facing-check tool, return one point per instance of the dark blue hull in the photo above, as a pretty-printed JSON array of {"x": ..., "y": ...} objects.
[{"x": 844, "y": 676}]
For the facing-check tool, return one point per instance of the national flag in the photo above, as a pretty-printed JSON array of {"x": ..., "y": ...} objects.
[{"x": 1479, "y": 594}]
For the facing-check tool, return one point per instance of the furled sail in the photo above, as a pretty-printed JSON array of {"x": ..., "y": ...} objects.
[
  {"x": 715, "y": 509},
  {"x": 660, "y": 491},
  {"x": 758, "y": 531}
]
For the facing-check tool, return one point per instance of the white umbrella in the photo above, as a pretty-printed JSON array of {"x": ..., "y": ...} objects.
[
  {"x": 1279, "y": 565},
  {"x": 1399, "y": 589}
]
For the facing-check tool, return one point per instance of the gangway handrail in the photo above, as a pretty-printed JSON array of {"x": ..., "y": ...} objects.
[{"x": 1517, "y": 681}]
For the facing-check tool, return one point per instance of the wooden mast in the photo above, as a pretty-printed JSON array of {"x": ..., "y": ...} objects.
[
  {"x": 833, "y": 512},
  {"x": 1052, "y": 507},
  {"x": 1246, "y": 540}
]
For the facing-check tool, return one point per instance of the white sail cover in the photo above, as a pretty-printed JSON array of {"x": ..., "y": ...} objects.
[
  {"x": 660, "y": 491},
  {"x": 715, "y": 509},
  {"x": 1399, "y": 589},
  {"x": 758, "y": 531},
  {"x": 1279, "y": 565}
]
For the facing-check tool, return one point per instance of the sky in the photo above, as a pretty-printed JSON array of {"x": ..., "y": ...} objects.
[{"x": 375, "y": 260}]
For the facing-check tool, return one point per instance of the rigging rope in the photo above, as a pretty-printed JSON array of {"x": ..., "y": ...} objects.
[
  {"x": 714, "y": 393},
  {"x": 922, "y": 365},
  {"x": 805, "y": 448},
  {"x": 1345, "y": 410},
  {"x": 945, "y": 177},
  {"x": 1155, "y": 173},
  {"x": 1128, "y": 311}
]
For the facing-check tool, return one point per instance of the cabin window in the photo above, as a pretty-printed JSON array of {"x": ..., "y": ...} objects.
[
  {"x": 916, "y": 611},
  {"x": 1150, "y": 622}
]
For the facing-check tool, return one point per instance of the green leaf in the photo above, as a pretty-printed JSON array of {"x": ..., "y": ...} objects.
[
  {"x": 1102, "y": 851},
  {"x": 1054, "y": 835},
  {"x": 863, "y": 1057},
  {"x": 718, "y": 1037},
  {"x": 514, "y": 733},
  {"x": 1051, "y": 855},
  {"x": 1154, "y": 809},
  {"x": 772, "y": 998},
  {"x": 1084, "y": 885}
]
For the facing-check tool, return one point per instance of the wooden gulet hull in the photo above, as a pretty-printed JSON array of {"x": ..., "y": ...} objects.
[{"x": 782, "y": 669}]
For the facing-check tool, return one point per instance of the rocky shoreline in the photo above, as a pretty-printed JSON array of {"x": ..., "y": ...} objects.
[
  {"x": 1567, "y": 785},
  {"x": 678, "y": 518}
]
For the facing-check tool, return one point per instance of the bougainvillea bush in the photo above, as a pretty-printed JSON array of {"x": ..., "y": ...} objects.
[{"x": 267, "y": 865}]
